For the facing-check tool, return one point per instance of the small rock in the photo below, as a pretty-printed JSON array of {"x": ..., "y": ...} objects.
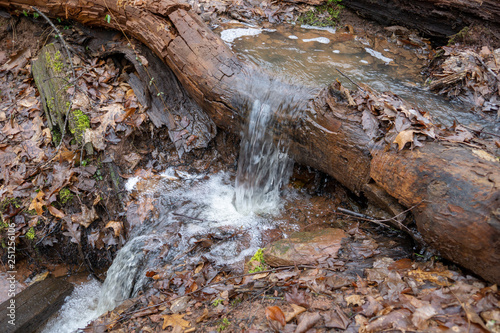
[{"x": 304, "y": 248}]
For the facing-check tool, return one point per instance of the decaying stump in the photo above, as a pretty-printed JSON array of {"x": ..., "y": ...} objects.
[
  {"x": 455, "y": 189},
  {"x": 50, "y": 72}
]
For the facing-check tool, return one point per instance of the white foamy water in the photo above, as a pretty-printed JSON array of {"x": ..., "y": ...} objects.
[
  {"x": 79, "y": 309},
  {"x": 322, "y": 40},
  {"x": 189, "y": 209},
  {"x": 313, "y": 27},
  {"x": 378, "y": 55},
  {"x": 230, "y": 35}
]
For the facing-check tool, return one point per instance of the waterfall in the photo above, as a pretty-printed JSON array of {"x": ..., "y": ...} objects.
[{"x": 264, "y": 165}]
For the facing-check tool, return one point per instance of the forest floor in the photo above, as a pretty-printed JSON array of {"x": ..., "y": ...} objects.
[{"x": 72, "y": 214}]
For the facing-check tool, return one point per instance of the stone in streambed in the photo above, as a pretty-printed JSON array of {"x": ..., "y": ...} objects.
[{"x": 304, "y": 248}]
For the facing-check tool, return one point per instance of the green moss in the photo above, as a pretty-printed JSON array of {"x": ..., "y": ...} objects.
[
  {"x": 56, "y": 62},
  {"x": 65, "y": 195},
  {"x": 30, "y": 234},
  {"x": 257, "y": 262},
  {"x": 80, "y": 122},
  {"x": 56, "y": 136},
  {"x": 459, "y": 36},
  {"x": 223, "y": 325},
  {"x": 323, "y": 16},
  {"x": 16, "y": 202}
]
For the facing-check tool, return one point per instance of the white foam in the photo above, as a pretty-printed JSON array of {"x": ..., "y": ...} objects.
[
  {"x": 293, "y": 37},
  {"x": 78, "y": 311},
  {"x": 336, "y": 51},
  {"x": 329, "y": 29},
  {"x": 131, "y": 182},
  {"x": 230, "y": 35},
  {"x": 322, "y": 40},
  {"x": 378, "y": 55},
  {"x": 364, "y": 61}
]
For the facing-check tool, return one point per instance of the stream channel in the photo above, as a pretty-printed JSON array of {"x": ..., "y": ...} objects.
[{"x": 239, "y": 208}]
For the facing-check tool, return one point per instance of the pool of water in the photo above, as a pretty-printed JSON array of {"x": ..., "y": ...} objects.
[{"x": 313, "y": 57}]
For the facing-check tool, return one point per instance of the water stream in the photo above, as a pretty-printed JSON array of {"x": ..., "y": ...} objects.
[
  {"x": 189, "y": 207},
  {"x": 312, "y": 56}
]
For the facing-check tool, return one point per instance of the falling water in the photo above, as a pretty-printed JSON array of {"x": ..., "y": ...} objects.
[{"x": 264, "y": 165}]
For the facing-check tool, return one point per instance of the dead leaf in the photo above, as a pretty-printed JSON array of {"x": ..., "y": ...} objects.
[
  {"x": 307, "y": 321},
  {"x": 297, "y": 309},
  {"x": 355, "y": 300},
  {"x": 56, "y": 212},
  {"x": 403, "y": 138},
  {"x": 420, "y": 318},
  {"x": 370, "y": 124},
  {"x": 296, "y": 297},
  {"x": 117, "y": 227},
  {"x": 336, "y": 319},
  {"x": 73, "y": 231},
  {"x": 38, "y": 203},
  {"x": 276, "y": 314},
  {"x": 176, "y": 321},
  {"x": 96, "y": 137},
  {"x": 86, "y": 217}
]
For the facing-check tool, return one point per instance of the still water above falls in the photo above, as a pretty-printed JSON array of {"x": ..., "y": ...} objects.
[{"x": 312, "y": 57}]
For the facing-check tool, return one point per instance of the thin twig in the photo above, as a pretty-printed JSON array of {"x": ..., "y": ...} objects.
[{"x": 347, "y": 77}]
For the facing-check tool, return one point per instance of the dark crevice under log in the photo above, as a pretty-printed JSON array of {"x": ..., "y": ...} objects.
[
  {"x": 456, "y": 190},
  {"x": 439, "y": 19}
]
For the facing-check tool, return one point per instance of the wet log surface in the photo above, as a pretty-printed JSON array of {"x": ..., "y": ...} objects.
[
  {"x": 455, "y": 190},
  {"x": 34, "y": 305},
  {"x": 436, "y": 18}
]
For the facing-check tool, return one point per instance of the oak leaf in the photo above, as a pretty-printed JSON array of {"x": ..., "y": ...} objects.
[
  {"x": 117, "y": 227},
  {"x": 38, "y": 203},
  {"x": 175, "y": 320},
  {"x": 403, "y": 138}
]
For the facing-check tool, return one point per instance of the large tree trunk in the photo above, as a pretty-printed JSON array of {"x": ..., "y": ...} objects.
[{"x": 456, "y": 189}]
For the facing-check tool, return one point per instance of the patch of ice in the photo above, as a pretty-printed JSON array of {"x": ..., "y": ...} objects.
[
  {"x": 329, "y": 29},
  {"x": 336, "y": 51},
  {"x": 364, "y": 61},
  {"x": 378, "y": 55},
  {"x": 293, "y": 37},
  {"x": 322, "y": 40},
  {"x": 230, "y": 35}
]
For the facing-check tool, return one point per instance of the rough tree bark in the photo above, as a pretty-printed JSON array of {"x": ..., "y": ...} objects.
[{"x": 455, "y": 189}]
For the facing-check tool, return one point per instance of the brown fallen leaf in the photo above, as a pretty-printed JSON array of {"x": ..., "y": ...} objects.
[
  {"x": 86, "y": 217},
  {"x": 297, "y": 309},
  {"x": 336, "y": 318},
  {"x": 355, "y": 300},
  {"x": 296, "y": 297},
  {"x": 176, "y": 321},
  {"x": 307, "y": 321},
  {"x": 56, "y": 212},
  {"x": 117, "y": 227},
  {"x": 274, "y": 313},
  {"x": 37, "y": 203},
  {"x": 403, "y": 138}
]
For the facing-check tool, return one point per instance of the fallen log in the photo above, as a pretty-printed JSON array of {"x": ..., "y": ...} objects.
[
  {"x": 439, "y": 19},
  {"x": 31, "y": 308},
  {"x": 455, "y": 189}
]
